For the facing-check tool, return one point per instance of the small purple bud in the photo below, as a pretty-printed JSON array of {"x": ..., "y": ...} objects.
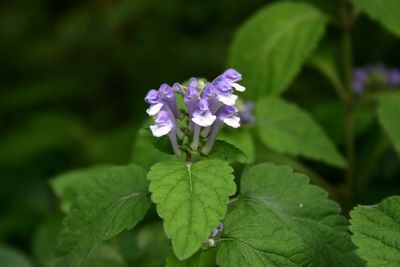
[
  {"x": 192, "y": 96},
  {"x": 177, "y": 88},
  {"x": 217, "y": 230}
]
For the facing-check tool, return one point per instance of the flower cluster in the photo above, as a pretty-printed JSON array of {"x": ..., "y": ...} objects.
[
  {"x": 207, "y": 107},
  {"x": 375, "y": 77}
]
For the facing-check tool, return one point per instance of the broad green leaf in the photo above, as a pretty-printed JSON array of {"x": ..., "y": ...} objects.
[
  {"x": 227, "y": 152},
  {"x": 280, "y": 219},
  {"x": 389, "y": 108},
  {"x": 13, "y": 258},
  {"x": 377, "y": 232},
  {"x": 116, "y": 201},
  {"x": 386, "y": 12},
  {"x": 242, "y": 139},
  {"x": 191, "y": 198},
  {"x": 270, "y": 48},
  {"x": 286, "y": 128},
  {"x": 67, "y": 185}
]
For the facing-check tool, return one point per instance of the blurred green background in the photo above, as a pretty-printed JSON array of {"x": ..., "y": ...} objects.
[{"x": 73, "y": 75}]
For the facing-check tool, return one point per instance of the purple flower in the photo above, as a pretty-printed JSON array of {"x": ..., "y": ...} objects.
[
  {"x": 394, "y": 78},
  {"x": 192, "y": 96},
  {"x": 208, "y": 107},
  {"x": 202, "y": 116},
  {"x": 225, "y": 115},
  {"x": 245, "y": 112},
  {"x": 156, "y": 103},
  {"x": 375, "y": 77},
  {"x": 168, "y": 96},
  {"x": 217, "y": 230},
  {"x": 165, "y": 125}
]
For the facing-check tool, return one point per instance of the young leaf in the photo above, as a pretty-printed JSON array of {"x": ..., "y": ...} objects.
[
  {"x": 386, "y": 12},
  {"x": 227, "y": 152},
  {"x": 272, "y": 45},
  {"x": 242, "y": 140},
  {"x": 377, "y": 232},
  {"x": 389, "y": 108},
  {"x": 286, "y": 128},
  {"x": 115, "y": 201},
  {"x": 191, "y": 198},
  {"x": 161, "y": 143},
  {"x": 281, "y": 220}
]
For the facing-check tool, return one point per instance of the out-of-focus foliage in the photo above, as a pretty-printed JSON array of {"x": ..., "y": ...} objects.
[{"x": 74, "y": 74}]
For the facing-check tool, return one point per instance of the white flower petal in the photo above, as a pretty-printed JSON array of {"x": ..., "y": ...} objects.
[
  {"x": 229, "y": 99},
  {"x": 154, "y": 109},
  {"x": 204, "y": 120},
  {"x": 160, "y": 130},
  {"x": 238, "y": 87},
  {"x": 233, "y": 121}
]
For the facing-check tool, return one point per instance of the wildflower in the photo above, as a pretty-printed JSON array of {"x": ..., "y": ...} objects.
[
  {"x": 165, "y": 125},
  {"x": 375, "y": 77},
  {"x": 208, "y": 107},
  {"x": 245, "y": 112}
]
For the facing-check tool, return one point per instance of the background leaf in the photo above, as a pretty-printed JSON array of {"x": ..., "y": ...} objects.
[
  {"x": 389, "y": 108},
  {"x": 227, "y": 152},
  {"x": 67, "y": 185},
  {"x": 242, "y": 139},
  {"x": 117, "y": 200},
  {"x": 377, "y": 232},
  {"x": 286, "y": 128},
  {"x": 280, "y": 219},
  {"x": 270, "y": 48},
  {"x": 191, "y": 199},
  {"x": 386, "y": 12},
  {"x": 13, "y": 258}
]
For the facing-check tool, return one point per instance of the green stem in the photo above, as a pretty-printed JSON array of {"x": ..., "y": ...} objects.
[{"x": 347, "y": 61}]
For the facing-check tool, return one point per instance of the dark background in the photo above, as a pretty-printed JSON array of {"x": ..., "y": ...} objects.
[{"x": 73, "y": 75}]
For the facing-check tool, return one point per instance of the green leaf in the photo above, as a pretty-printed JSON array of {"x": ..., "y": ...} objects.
[
  {"x": 389, "y": 108},
  {"x": 145, "y": 154},
  {"x": 116, "y": 200},
  {"x": 270, "y": 48},
  {"x": 377, "y": 232},
  {"x": 227, "y": 152},
  {"x": 161, "y": 143},
  {"x": 13, "y": 258},
  {"x": 67, "y": 185},
  {"x": 146, "y": 245},
  {"x": 191, "y": 198},
  {"x": 242, "y": 139},
  {"x": 386, "y": 12},
  {"x": 286, "y": 128},
  {"x": 200, "y": 259},
  {"x": 280, "y": 219}
]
